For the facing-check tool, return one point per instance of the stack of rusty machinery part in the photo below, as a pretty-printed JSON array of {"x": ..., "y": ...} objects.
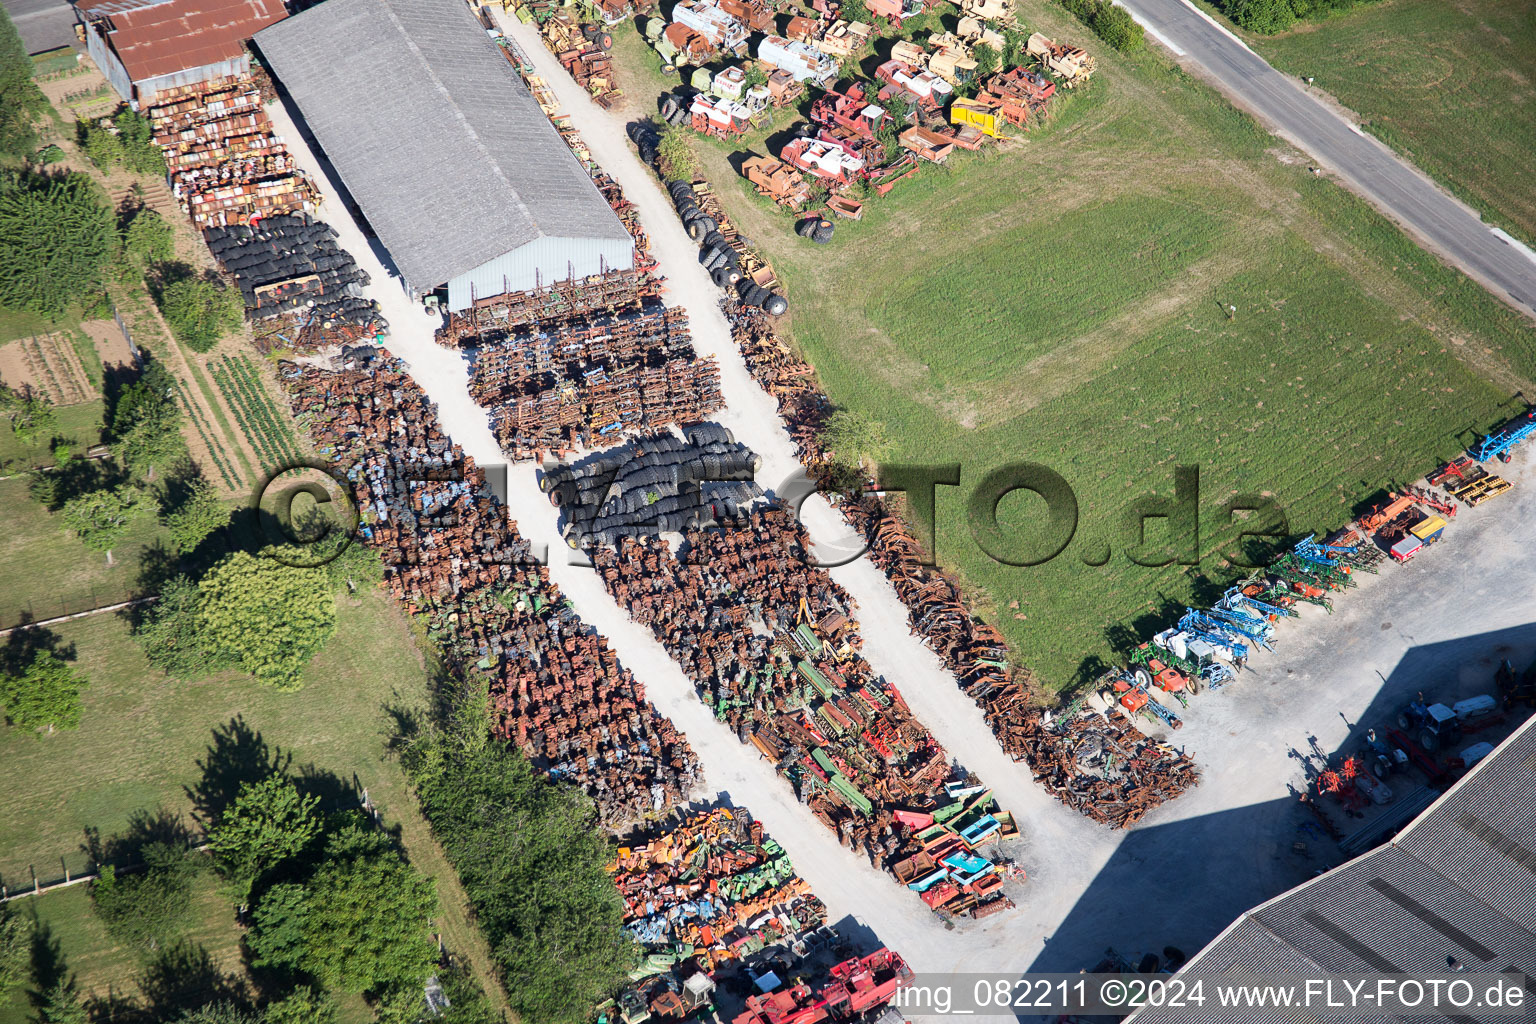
[
  {"x": 771, "y": 647},
  {"x": 659, "y": 483},
  {"x": 494, "y": 317},
  {"x": 226, "y": 165},
  {"x": 291, "y": 264},
  {"x": 591, "y": 378},
  {"x": 1097, "y": 763},
  {"x": 302, "y": 332},
  {"x": 582, "y": 49},
  {"x": 704, "y": 890},
  {"x": 936, "y": 611},
  {"x": 453, "y": 555}
]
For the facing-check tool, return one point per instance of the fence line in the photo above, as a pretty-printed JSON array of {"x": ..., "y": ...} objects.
[
  {"x": 61, "y": 608},
  {"x": 39, "y": 888},
  {"x": 80, "y": 615}
]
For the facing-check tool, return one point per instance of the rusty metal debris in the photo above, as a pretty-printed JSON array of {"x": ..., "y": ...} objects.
[
  {"x": 225, "y": 163},
  {"x": 772, "y": 648},
  {"x": 973, "y": 650},
  {"x": 452, "y": 554},
  {"x": 590, "y": 377}
]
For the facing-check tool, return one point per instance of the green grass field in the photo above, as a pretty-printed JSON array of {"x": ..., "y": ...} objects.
[
  {"x": 1064, "y": 302},
  {"x": 80, "y": 423},
  {"x": 139, "y": 744},
  {"x": 1450, "y": 86},
  {"x": 49, "y": 572}
]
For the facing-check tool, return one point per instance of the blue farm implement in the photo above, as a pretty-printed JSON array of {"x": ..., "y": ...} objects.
[
  {"x": 1260, "y": 630},
  {"x": 1225, "y": 641},
  {"x": 1293, "y": 569},
  {"x": 1498, "y": 444}
]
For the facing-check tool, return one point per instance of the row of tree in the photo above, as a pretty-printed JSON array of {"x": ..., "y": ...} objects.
[{"x": 533, "y": 862}]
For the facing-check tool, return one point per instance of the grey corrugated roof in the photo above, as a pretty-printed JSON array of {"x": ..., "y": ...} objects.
[
  {"x": 1460, "y": 881},
  {"x": 433, "y": 133}
]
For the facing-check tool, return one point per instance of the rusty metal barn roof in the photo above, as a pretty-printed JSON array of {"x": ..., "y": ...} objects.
[
  {"x": 161, "y": 37},
  {"x": 434, "y": 134},
  {"x": 1460, "y": 881}
]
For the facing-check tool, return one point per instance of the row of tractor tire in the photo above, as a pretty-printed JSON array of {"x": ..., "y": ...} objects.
[{"x": 716, "y": 255}]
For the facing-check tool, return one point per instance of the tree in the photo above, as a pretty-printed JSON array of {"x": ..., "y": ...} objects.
[
  {"x": 200, "y": 312},
  {"x": 221, "y": 1012},
  {"x": 102, "y": 147},
  {"x": 545, "y": 901},
  {"x": 269, "y": 822},
  {"x": 1265, "y": 16},
  {"x": 852, "y": 439},
  {"x": 270, "y": 617},
  {"x": 674, "y": 156},
  {"x": 45, "y": 695},
  {"x": 32, "y": 416},
  {"x": 149, "y": 238},
  {"x": 56, "y": 238},
  {"x": 148, "y": 907},
  {"x": 304, "y": 1005},
  {"x": 170, "y": 632},
  {"x": 146, "y": 420},
  {"x": 15, "y": 951},
  {"x": 756, "y": 76},
  {"x": 198, "y": 515},
  {"x": 21, "y": 102},
  {"x": 359, "y": 924},
  {"x": 986, "y": 58},
  {"x": 137, "y": 136},
  {"x": 61, "y": 1005},
  {"x": 101, "y": 518}
]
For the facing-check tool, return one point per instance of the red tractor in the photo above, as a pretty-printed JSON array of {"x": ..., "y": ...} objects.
[{"x": 851, "y": 110}]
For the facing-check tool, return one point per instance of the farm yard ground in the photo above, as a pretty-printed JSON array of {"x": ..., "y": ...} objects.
[
  {"x": 139, "y": 746},
  {"x": 1062, "y": 301},
  {"x": 1451, "y": 86}
]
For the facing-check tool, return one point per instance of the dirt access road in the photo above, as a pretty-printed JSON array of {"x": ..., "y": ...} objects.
[{"x": 1187, "y": 870}]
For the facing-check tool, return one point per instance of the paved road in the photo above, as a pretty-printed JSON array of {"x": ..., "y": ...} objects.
[
  {"x": 43, "y": 24},
  {"x": 1439, "y": 221}
]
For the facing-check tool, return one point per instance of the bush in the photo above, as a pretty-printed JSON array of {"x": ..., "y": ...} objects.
[
  {"x": 21, "y": 102},
  {"x": 150, "y": 907},
  {"x": 1115, "y": 26},
  {"x": 1112, "y": 24},
  {"x": 171, "y": 634},
  {"x": 149, "y": 238},
  {"x": 675, "y": 157},
  {"x": 136, "y": 139},
  {"x": 56, "y": 238},
  {"x": 200, "y": 312}
]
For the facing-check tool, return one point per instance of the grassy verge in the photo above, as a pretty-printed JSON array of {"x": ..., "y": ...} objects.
[
  {"x": 1149, "y": 281},
  {"x": 79, "y": 424},
  {"x": 1450, "y": 86}
]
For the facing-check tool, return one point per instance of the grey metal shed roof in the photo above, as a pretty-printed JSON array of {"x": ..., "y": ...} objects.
[
  {"x": 433, "y": 133},
  {"x": 1460, "y": 881}
]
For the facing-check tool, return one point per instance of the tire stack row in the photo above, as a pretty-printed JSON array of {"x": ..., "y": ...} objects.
[
  {"x": 288, "y": 248},
  {"x": 660, "y": 484}
]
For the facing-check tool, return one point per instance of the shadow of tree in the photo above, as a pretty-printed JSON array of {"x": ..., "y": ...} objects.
[
  {"x": 183, "y": 976},
  {"x": 238, "y": 754},
  {"x": 145, "y": 828},
  {"x": 48, "y": 964},
  {"x": 26, "y": 641}
]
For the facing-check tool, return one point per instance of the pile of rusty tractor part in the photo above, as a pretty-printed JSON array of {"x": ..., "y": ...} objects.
[
  {"x": 659, "y": 483},
  {"x": 770, "y": 645},
  {"x": 590, "y": 378},
  {"x": 974, "y": 651},
  {"x": 452, "y": 555},
  {"x": 291, "y": 263},
  {"x": 226, "y": 165}
]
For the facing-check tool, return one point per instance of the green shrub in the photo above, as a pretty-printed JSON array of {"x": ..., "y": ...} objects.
[
  {"x": 200, "y": 312},
  {"x": 149, "y": 238},
  {"x": 1112, "y": 24},
  {"x": 56, "y": 238}
]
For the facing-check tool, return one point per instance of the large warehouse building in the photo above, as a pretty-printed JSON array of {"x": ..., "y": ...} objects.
[
  {"x": 429, "y": 127},
  {"x": 1455, "y": 890},
  {"x": 144, "y": 46}
]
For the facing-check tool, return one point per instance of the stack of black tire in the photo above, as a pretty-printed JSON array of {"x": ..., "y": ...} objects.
[
  {"x": 657, "y": 484},
  {"x": 290, "y": 248},
  {"x": 817, "y": 229}
]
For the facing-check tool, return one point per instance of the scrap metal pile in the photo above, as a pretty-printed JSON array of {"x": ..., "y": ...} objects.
[
  {"x": 974, "y": 651},
  {"x": 588, "y": 378},
  {"x": 291, "y": 263},
  {"x": 452, "y": 554},
  {"x": 225, "y": 164},
  {"x": 661, "y": 483},
  {"x": 770, "y": 646},
  {"x": 711, "y": 888},
  {"x": 1099, "y": 764}
]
